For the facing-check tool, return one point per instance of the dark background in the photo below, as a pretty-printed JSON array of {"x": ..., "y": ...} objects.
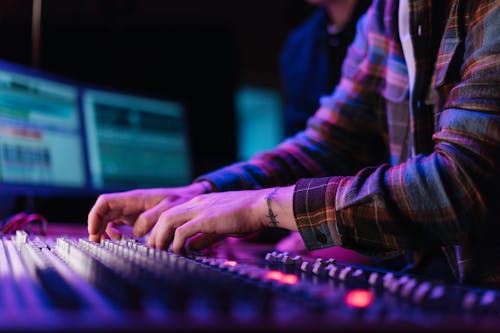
[{"x": 196, "y": 51}]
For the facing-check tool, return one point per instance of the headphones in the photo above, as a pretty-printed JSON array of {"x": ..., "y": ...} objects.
[{"x": 24, "y": 221}]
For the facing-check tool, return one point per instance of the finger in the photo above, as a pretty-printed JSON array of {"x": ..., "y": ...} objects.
[
  {"x": 96, "y": 222},
  {"x": 113, "y": 217},
  {"x": 185, "y": 231},
  {"x": 113, "y": 231},
  {"x": 162, "y": 232},
  {"x": 109, "y": 207},
  {"x": 202, "y": 241},
  {"x": 148, "y": 218}
]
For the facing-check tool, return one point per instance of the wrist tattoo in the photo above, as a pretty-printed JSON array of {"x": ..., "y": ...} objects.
[{"x": 273, "y": 222}]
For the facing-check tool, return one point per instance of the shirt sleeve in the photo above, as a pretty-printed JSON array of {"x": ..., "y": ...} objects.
[
  {"x": 448, "y": 197},
  {"x": 345, "y": 122},
  {"x": 348, "y": 196}
]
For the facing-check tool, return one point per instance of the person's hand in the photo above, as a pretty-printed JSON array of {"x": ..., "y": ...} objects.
[
  {"x": 212, "y": 216},
  {"x": 137, "y": 208}
]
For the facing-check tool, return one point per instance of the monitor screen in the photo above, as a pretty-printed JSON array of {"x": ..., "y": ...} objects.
[
  {"x": 40, "y": 131},
  {"x": 135, "y": 141},
  {"x": 258, "y": 110}
]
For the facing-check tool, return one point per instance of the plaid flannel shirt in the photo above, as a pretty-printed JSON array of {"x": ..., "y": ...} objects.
[{"x": 386, "y": 170}]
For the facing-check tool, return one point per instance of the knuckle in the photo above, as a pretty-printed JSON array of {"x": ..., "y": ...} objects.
[
  {"x": 164, "y": 218},
  {"x": 138, "y": 231},
  {"x": 140, "y": 225},
  {"x": 180, "y": 232},
  {"x": 102, "y": 198}
]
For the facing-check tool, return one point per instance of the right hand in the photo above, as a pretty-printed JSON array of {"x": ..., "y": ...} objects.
[{"x": 137, "y": 208}]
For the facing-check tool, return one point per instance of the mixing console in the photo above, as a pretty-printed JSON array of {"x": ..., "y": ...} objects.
[{"x": 68, "y": 283}]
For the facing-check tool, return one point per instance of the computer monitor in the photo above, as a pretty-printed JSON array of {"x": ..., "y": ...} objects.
[
  {"x": 135, "y": 141},
  {"x": 258, "y": 110},
  {"x": 41, "y": 145}
]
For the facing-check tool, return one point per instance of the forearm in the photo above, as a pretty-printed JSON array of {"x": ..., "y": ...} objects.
[
  {"x": 437, "y": 198},
  {"x": 323, "y": 149},
  {"x": 347, "y": 121}
]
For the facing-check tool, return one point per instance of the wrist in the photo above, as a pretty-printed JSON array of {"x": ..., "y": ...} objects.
[
  {"x": 277, "y": 208},
  {"x": 203, "y": 187},
  {"x": 272, "y": 217}
]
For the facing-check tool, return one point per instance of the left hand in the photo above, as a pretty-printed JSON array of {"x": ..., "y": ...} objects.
[{"x": 220, "y": 214}]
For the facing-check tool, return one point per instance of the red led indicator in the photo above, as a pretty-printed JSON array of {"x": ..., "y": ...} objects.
[
  {"x": 231, "y": 263},
  {"x": 281, "y": 277},
  {"x": 273, "y": 275},
  {"x": 359, "y": 298},
  {"x": 290, "y": 279}
]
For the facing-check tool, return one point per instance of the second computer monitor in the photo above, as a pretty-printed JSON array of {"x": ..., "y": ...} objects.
[{"x": 135, "y": 141}]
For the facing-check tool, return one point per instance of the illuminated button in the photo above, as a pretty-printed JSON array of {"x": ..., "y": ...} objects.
[
  {"x": 374, "y": 278},
  {"x": 359, "y": 298},
  {"x": 485, "y": 303},
  {"x": 488, "y": 298},
  {"x": 305, "y": 266},
  {"x": 279, "y": 277},
  {"x": 344, "y": 272},
  {"x": 357, "y": 274},
  {"x": 216, "y": 262},
  {"x": 226, "y": 264},
  {"x": 330, "y": 261},
  {"x": 394, "y": 284},
  {"x": 469, "y": 300},
  {"x": 387, "y": 279},
  {"x": 332, "y": 271},
  {"x": 275, "y": 256},
  {"x": 488, "y": 303},
  {"x": 273, "y": 275},
  {"x": 318, "y": 267},
  {"x": 408, "y": 287},
  {"x": 289, "y": 279},
  {"x": 437, "y": 293},
  {"x": 421, "y": 291},
  {"x": 278, "y": 256},
  {"x": 231, "y": 268},
  {"x": 206, "y": 260}
]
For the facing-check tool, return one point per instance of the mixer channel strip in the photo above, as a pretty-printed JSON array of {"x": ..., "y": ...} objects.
[{"x": 129, "y": 284}]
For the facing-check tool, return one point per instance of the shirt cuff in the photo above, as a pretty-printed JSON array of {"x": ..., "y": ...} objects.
[
  {"x": 326, "y": 101},
  {"x": 227, "y": 179},
  {"x": 314, "y": 211}
]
